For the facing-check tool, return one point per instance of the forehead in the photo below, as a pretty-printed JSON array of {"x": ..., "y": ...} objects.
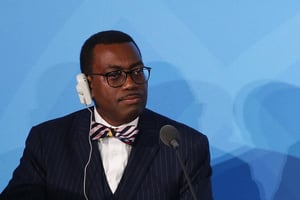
[{"x": 120, "y": 54}]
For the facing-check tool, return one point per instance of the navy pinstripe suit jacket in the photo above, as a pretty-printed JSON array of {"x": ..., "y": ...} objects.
[{"x": 56, "y": 152}]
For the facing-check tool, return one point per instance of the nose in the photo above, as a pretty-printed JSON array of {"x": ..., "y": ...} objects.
[{"x": 129, "y": 82}]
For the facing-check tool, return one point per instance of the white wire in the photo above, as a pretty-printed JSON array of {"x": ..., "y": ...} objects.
[{"x": 89, "y": 158}]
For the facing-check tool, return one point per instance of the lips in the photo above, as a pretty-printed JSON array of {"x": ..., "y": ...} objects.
[{"x": 131, "y": 96}]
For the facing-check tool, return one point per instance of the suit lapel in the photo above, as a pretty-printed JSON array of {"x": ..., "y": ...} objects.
[
  {"x": 96, "y": 184},
  {"x": 142, "y": 154}
]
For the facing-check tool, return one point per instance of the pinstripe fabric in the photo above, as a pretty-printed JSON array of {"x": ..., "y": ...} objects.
[{"x": 57, "y": 151}]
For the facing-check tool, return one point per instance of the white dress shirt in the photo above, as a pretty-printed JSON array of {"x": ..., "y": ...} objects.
[{"x": 114, "y": 153}]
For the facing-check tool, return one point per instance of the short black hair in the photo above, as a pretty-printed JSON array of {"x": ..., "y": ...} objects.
[{"x": 103, "y": 37}]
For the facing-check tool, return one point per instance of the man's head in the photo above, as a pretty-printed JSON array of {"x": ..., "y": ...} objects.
[
  {"x": 116, "y": 74},
  {"x": 104, "y": 37}
]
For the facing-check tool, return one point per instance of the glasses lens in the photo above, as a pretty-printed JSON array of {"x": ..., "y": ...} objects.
[
  {"x": 140, "y": 75},
  {"x": 116, "y": 78}
]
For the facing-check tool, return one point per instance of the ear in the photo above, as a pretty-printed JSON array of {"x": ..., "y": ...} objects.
[{"x": 90, "y": 81}]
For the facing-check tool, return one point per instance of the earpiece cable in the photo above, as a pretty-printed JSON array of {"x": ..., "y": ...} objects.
[{"x": 89, "y": 158}]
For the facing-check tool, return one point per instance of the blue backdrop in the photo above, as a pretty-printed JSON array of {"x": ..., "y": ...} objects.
[{"x": 227, "y": 68}]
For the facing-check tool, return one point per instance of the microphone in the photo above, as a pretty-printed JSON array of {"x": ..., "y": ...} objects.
[{"x": 169, "y": 135}]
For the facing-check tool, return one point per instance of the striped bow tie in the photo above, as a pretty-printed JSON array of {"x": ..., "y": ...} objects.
[{"x": 125, "y": 134}]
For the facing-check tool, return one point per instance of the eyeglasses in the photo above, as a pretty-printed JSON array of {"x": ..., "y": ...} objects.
[{"x": 139, "y": 75}]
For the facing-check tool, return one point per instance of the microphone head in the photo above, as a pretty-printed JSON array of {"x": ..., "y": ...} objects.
[{"x": 169, "y": 135}]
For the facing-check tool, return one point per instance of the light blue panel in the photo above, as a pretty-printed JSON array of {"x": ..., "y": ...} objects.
[{"x": 227, "y": 68}]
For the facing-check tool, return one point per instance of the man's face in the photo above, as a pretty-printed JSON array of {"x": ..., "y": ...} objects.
[{"x": 122, "y": 104}]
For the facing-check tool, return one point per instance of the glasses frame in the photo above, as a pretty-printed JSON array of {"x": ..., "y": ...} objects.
[{"x": 130, "y": 72}]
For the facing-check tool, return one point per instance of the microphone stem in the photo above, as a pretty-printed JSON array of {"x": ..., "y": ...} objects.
[{"x": 186, "y": 174}]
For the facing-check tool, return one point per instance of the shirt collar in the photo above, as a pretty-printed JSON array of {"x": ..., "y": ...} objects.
[{"x": 100, "y": 120}]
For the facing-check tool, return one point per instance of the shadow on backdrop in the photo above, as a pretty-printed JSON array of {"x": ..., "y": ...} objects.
[
  {"x": 232, "y": 179},
  {"x": 171, "y": 94},
  {"x": 173, "y": 97},
  {"x": 289, "y": 185},
  {"x": 268, "y": 112}
]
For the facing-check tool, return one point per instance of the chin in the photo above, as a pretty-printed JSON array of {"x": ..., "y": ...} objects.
[{"x": 133, "y": 113}]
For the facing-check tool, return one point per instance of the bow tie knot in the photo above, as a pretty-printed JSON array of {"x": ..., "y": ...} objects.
[{"x": 125, "y": 134}]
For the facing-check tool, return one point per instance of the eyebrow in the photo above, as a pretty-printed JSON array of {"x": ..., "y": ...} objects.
[{"x": 130, "y": 66}]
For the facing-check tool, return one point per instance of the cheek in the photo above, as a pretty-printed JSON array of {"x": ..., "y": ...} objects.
[
  {"x": 97, "y": 89},
  {"x": 104, "y": 96}
]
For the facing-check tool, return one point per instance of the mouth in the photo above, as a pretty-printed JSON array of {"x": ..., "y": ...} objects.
[{"x": 131, "y": 98}]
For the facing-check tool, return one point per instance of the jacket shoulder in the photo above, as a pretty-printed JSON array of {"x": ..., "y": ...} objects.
[{"x": 64, "y": 120}]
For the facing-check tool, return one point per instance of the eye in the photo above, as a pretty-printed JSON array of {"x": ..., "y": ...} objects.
[
  {"x": 114, "y": 74},
  {"x": 138, "y": 71}
]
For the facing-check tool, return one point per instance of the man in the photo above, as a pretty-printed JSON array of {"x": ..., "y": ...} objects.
[{"x": 70, "y": 157}]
